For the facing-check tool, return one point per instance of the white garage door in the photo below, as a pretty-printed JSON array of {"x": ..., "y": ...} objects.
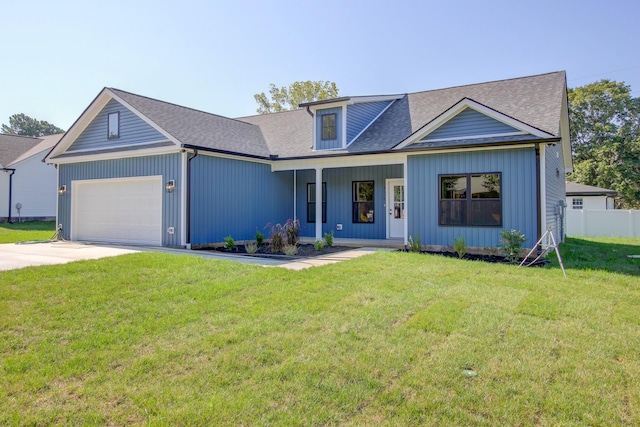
[{"x": 122, "y": 210}]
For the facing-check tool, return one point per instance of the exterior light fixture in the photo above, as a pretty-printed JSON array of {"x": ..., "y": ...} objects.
[
  {"x": 170, "y": 186},
  {"x": 62, "y": 190}
]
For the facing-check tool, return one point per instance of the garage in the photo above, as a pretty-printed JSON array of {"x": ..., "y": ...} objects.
[{"x": 119, "y": 210}]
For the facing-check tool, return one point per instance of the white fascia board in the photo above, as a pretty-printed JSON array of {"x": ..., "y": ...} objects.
[
  {"x": 90, "y": 114},
  {"x": 457, "y": 109},
  {"x": 460, "y": 138},
  {"x": 116, "y": 147},
  {"x": 314, "y": 108},
  {"x": 116, "y": 155},
  {"x": 379, "y": 98},
  {"x": 339, "y": 162},
  {"x": 145, "y": 119},
  {"x": 80, "y": 125}
]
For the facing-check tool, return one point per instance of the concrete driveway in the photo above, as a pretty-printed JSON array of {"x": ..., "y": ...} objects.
[
  {"x": 16, "y": 255},
  {"x": 19, "y": 255}
]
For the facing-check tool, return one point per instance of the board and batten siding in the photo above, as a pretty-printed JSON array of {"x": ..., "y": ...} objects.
[
  {"x": 167, "y": 165},
  {"x": 235, "y": 198},
  {"x": 519, "y": 205},
  {"x": 555, "y": 191},
  {"x": 133, "y": 130},
  {"x": 330, "y": 143},
  {"x": 469, "y": 122},
  {"x": 359, "y": 116},
  {"x": 340, "y": 200}
]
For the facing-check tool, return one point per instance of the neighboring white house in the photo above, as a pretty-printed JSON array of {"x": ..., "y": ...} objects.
[
  {"x": 25, "y": 180},
  {"x": 580, "y": 196}
]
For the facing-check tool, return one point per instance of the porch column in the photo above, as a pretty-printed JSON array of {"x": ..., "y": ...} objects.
[{"x": 318, "y": 203}]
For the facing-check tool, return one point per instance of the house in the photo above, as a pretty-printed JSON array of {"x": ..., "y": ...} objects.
[
  {"x": 436, "y": 165},
  {"x": 581, "y": 196},
  {"x": 27, "y": 184}
]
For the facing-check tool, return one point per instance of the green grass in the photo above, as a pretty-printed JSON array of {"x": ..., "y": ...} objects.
[
  {"x": 26, "y": 231},
  {"x": 385, "y": 339}
]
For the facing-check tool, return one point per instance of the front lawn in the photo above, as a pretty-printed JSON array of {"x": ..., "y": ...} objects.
[
  {"x": 391, "y": 338},
  {"x": 26, "y": 231}
]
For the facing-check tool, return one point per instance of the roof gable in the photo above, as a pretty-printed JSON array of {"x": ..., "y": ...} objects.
[
  {"x": 468, "y": 119},
  {"x": 133, "y": 131}
]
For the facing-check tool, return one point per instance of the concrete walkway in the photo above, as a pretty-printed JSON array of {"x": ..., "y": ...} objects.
[{"x": 16, "y": 255}]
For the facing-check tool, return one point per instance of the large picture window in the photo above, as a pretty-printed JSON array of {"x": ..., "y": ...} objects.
[
  {"x": 329, "y": 131},
  {"x": 471, "y": 200},
  {"x": 311, "y": 202},
  {"x": 363, "y": 206}
]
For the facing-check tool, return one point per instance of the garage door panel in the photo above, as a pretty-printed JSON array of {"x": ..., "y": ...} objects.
[{"x": 118, "y": 210}]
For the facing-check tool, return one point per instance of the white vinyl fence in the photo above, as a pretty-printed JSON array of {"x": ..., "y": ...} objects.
[{"x": 603, "y": 223}]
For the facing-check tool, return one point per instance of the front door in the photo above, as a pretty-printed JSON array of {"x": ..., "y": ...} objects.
[{"x": 395, "y": 208}]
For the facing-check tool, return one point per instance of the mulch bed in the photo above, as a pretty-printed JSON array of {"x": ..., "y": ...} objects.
[
  {"x": 486, "y": 258},
  {"x": 264, "y": 251}
]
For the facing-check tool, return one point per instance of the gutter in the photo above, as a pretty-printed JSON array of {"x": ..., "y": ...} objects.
[
  {"x": 10, "y": 191},
  {"x": 188, "y": 196}
]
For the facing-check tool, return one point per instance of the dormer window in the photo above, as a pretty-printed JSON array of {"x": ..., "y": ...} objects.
[
  {"x": 113, "y": 125},
  {"x": 329, "y": 131}
]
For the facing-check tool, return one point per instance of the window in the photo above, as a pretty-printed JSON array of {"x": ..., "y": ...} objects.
[
  {"x": 113, "y": 125},
  {"x": 577, "y": 203},
  {"x": 363, "y": 201},
  {"x": 329, "y": 126},
  {"x": 311, "y": 202},
  {"x": 471, "y": 200}
]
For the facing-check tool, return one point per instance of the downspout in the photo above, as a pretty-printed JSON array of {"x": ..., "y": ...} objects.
[
  {"x": 538, "y": 194},
  {"x": 188, "y": 207},
  {"x": 10, "y": 191}
]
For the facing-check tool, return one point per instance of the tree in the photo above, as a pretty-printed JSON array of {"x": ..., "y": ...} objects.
[
  {"x": 605, "y": 136},
  {"x": 288, "y": 98},
  {"x": 21, "y": 124}
]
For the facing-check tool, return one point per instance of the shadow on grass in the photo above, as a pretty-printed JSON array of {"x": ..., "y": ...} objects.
[{"x": 600, "y": 254}]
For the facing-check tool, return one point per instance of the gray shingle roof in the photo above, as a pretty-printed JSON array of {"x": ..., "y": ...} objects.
[
  {"x": 12, "y": 147},
  {"x": 535, "y": 101},
  {"x": 575, "y": 189},
  {"x": 200, "y": 129}
]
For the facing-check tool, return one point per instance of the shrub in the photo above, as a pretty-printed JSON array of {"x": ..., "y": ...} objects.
[
  {"x": 276, "y": 235},
  {"x": 328, "y": 239},
  {"x": 460, "y": 246},
  {"x": 251, "y": 248},
  {"x": 229, "y": 243},
  {"x": 512, "y": 241},
  {"x": 292, "y": 230},
  {"x": 290, "y": 250},
  {"x": 319, "y": 245},
  {"x": 259, "y": 237},
  {"x": 414, "y": 245}
]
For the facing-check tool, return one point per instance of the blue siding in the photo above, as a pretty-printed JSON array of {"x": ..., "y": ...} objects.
[
  {"x": 168, "y": 165},
  {"x": 555, "y": 181},
  {"x": 339, "y": 200},
  {"x": 333, "y": 143},
  {"x": 359, "y": 116},
  {"x": 234, "y": 198},
  {"x": 469, "y": 122},
  {"x": 133, "y": 130},
  {"x": 519, "y": 206}
]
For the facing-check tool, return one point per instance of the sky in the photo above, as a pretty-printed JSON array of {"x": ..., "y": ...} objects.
[{"x": 215, "y": 55}]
